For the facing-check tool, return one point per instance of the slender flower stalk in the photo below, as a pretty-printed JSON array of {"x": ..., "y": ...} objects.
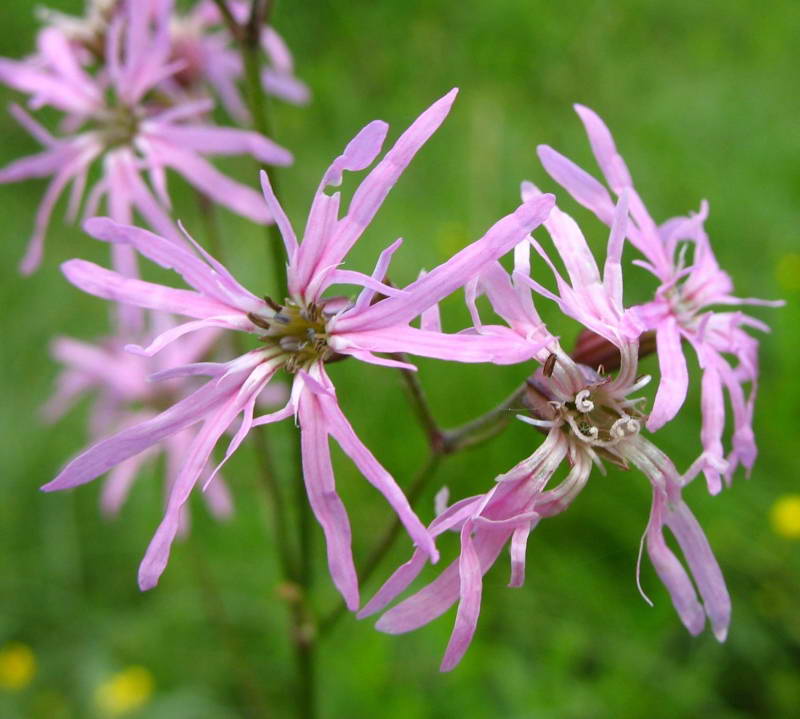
[
  {"x": 588, "y": 417},
  {"x": 300, "y": 335},
  {"x": 678, "y": 253}
]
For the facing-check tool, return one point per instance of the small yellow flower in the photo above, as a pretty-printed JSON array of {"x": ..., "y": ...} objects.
[
  {"x": 17, "y": 666},
  {"x": 785, "y": 516},
  {"x": 788, "y": 271},
  {"x": 124, "y": 692}
]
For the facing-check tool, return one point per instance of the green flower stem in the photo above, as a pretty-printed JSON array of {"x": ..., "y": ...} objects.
[
  {"x": 484, "y": 427},
  {"x": 297, "y": 574},
  {"x": 252, "y": 694},
  {"x": 422, "y": 409}
]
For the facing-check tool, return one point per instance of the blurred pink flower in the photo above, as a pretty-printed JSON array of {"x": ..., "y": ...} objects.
[
  {"x": 588, "y": 417},
  {"x": 116, "y": 113},
  {"x": 203, "y": 44},
  {"x": 124, "y": 396},
  {"x": 681, "y": 307},
  {"x": 300, "y": 335}
]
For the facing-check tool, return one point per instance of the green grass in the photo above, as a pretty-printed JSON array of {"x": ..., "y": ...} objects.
[{"x": 703, "y": 101}]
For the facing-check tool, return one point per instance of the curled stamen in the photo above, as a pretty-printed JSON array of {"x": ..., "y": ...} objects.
[
  {"x": 582, "y": 401},
  {"x": 585, "y": 431},
  {"x": 624, "y": 427}
]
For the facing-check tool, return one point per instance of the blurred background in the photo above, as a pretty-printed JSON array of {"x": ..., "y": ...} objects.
[{"x": 703, "y": 101}]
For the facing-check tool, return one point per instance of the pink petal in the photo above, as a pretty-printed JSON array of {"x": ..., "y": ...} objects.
[
  {"x": 287, "y": 231},
  {"x": 195, "y": 460},
  {"x": 120, "y": 480},
  {"x": 111, "y": 285},
  {"x": 449, "y": 276},
  {"x": 584, "y": 188},
  {"x": 704, "y": 567},
  {"x": 214, "y": 281},
  {"x": 519, "y": 543},
  {"x": 713, "y": 408},
  {"x": 671, "y": 572},
  {"x": 612, "y": 272},
  {"x": 212, "y": 140},
  {"x": 42, "y": 164},
  {"x": 276, "y": 50},
  {"x": 325, "y": 502},
  {"x": 122, "y": 163},
  {"x": 219, "y": 187},
  {"x": 426, "y": 605},
  {"x": 379, "y": 273},
  {"x": 674, "y": 382},
  {"x": 32, "y": 126},
  {"x": 338, "y": 426},
  {"x": 397, "y": 583},
  {"x": 105, "y": 454},
  {"x": 371, "y": 193},
  {"x": 284, "y": 86},
  {"x": 33, "y": 254},
  {"x": 44, "y": 87},
  {"x": 469, "y": 607},
  {"x": 496, "y": 344},
  {"x": 323, "y": 216},
  {"x": 604, "y": 149},
  {"x": 219, "y": 499},
  {"x": 438, "y": 596}
]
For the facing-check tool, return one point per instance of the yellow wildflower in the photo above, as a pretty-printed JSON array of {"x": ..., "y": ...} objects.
[
  {"x": 17, "y": 666},
  {"x": 124, "y": 692},
  {"x": 785, "y": 516}
]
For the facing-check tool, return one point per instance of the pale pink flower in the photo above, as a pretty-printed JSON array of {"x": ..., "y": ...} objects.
[
  {"x": 300, "y": 335},
  {"x": 202, "y": 42},
  {"x": 588, "y": 418},
  {"x": 690, "y": 286},
  {"x": 123, "y": 395},
  {"x": 111, "y": 115}
]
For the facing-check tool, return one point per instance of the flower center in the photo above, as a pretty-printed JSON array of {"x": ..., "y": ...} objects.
[
  {"x": 117, "y": 125},
  {"x": 684, "y": 307},
  {"x": 596, "y": 421},
  {"x": 299, "y": 331},
  {"x": 599, "y": 414}
]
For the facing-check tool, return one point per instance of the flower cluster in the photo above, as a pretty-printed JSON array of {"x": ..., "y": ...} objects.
[
  {"x": 133, "y": 92},
  {"x": 136, "y": 84}
]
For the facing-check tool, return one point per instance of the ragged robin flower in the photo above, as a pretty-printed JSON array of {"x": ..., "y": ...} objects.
[
  {"x": 589, "y": 418},
  {"x": 679, "y": 254},
  {"x": 115, "y": 112},
  {"x": 300, "y": 335}
]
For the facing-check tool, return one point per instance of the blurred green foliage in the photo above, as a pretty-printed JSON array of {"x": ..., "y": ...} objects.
[{"x": 703, "y": 101}]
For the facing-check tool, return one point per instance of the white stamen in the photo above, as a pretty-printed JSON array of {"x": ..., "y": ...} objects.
[
  {"x": 538, "y": 422},
  {"x": 641, "y": 382},
  {"x": 582, "y": 401}
]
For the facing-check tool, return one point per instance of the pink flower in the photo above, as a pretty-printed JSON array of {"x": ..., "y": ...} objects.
[
  {"x": 203, "y": 44},
  {"x": 113, "y": 115},
  {"x": 300, "y": 335},
  {"x": 681, "y": 308},
  {"x": 588, "y": 418},
  {"x": 125, "y": 396}
]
